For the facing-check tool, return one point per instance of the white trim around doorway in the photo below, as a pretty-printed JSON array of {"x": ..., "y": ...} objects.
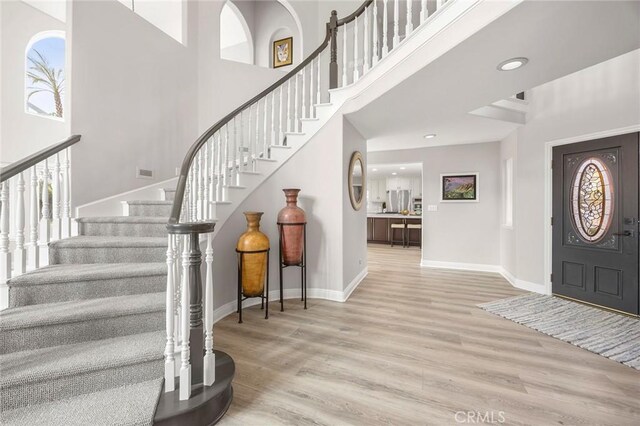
[{"x": 548, "y": 190}]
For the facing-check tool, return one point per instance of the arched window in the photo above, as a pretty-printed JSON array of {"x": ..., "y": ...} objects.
[
  {"x": 236, "y": 43},
  {"x": 44, "y": 74}
]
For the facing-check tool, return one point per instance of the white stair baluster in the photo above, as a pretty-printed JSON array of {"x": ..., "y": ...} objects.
[
  {"x": 424, "y": 12},
  {"x": 225, "y": 163},
  {"x": 220, "y": 169},
  {"x": 45, "y": 229},
  {"x": 376, "y": 35},
  {"x": 296, "y": 99},
  {"x": 209, "y": 375},
  {"x": 396, "y": 23},
  {"x": 241, "y": 148},
  {"x": 282, "y": 121},
  {"x": 196, "y": 186},
  {"x": 265, "y": 146},
  {"x": 312, "y": 89},
  {"x": 19, "y": 254},
  {"x": 206, "y": 167},
  {"x": 367, "y": 31},
  {"x": 202, "y": 183},
  {"x": 169, "y": 358},
  {"x": 274, "y": 135},
  {"x": 256, "y": 140},
  {"x": 235, "y": 164},
  {"x": 385, "y": 28},
  {"x": 55, "y": 204},
  {"x": 439, "y": 4},
  {"x": 356, "y": 48},
  {"x": 185, "y": 365},
  {"x": 304, "y": 92},
  {"x": 66, "y": 195},
  {"x": 211, "y": 167},
  {"x": 289, "y": 98},
  {"x": 345, "y": 80},
  {"x": 318, "y": 94},
  {"x": 34, "y": 207},
  {"x": 5, "y": 255},
  {"x": 409, "y": 27}
]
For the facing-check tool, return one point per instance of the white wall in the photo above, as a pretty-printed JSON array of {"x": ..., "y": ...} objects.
[
  {"x": 275, "y": 23},
  {"x": 457, "y": 234},
  {"x": 354, "y": 223},
  {"x": 315, "y": 167},
  {"x": 22, "y": 134},
  {"x": 601, "y": 98}
]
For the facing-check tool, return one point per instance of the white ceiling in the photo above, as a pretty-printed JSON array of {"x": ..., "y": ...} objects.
[
  {"x": 559, "y": 38},
  {"x": 402, "y": 170}
]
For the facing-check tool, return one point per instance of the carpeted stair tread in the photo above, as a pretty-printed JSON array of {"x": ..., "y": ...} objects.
[
  {"x": 58, "y": 361},
  {"x": 85, "y": 272},
  {"x": 123, "y": 219},
  {"x": 109, "y": 242},
  {"x": 80, "y": 310},
  {"x": 150, "y": 202},
  {"x": 131, "y": 405}
]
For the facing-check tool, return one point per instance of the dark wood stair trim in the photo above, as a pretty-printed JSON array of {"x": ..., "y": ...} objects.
[{"x": 207, "y": 404}]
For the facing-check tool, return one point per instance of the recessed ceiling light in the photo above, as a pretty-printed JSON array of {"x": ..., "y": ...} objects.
[
  {"x": 375, "y": 170},
  {"x": 394, "y": 173},
  {"x": 402, "y": 168},
  {"x": 430, "y": 136},
  {"x": 512, "y": 64}
]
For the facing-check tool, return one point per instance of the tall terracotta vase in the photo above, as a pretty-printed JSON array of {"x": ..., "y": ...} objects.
[
  {"x": 254, "y": 265},
  {"x": 292, "y": 236}
]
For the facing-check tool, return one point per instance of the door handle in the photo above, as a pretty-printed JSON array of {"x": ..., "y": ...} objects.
[{"x": 624, "y": 234}]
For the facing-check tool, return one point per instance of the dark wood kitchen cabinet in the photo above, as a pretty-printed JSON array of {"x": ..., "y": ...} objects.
[{"x": 378, "y": 230}]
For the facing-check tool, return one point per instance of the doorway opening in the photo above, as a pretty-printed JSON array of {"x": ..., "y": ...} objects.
[{"x": 394, "y": 205}]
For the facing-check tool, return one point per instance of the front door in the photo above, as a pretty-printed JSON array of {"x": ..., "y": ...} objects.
[{"x": 595, "y": 222}]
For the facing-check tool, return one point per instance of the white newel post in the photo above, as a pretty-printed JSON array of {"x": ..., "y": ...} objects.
[
  {"x": 209, "y": 356},
  {"x": 424, "y": 12},
  {"x": 409, "y": 27},
  {"x": 169, "y": 360},
  {"x": 185, "y": 364},
  {"x": 45, "y": 229},
  {"x": 56, "y": 228},
  {"x": 66, "y": 196},
  {"x": 5, "y": 255},
  {"x": 34, "y": 210},
  {"x": 19, "y": 254}
]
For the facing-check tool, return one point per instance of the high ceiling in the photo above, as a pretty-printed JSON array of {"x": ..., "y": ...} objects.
[
  {"x": 386, "y": 170},
  {"x": 559, "y": 38}
]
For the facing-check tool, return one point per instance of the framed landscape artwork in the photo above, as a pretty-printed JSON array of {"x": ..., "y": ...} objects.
[
  {"x": 283, "y": 52},
  {"x": 462, "y": 187}
]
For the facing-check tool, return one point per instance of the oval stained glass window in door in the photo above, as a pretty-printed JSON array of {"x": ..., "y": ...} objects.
[{"x": 592, "y": 200}]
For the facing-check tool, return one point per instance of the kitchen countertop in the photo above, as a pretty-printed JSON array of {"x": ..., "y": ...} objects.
[{"x": 393, "y": 216}]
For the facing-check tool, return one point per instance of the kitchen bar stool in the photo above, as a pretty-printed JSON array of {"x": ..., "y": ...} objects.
[
  {"x": 411, "y": 226},
  {"x": 392, "y": 229}
]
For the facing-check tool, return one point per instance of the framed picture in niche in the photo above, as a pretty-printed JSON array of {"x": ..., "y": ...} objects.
[
  {"x": 283, "y": 52},
  {"x": 459, "y": 187}
]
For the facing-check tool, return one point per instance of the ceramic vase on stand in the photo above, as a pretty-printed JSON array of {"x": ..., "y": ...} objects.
[
  {"x": 254, "y": 265},
  {"x": 292, "y": 242}
]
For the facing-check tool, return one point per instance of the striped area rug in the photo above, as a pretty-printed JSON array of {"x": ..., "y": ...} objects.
[{"x": 612, "y": 335}]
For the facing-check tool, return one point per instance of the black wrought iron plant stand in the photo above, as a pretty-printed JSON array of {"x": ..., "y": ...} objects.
[
  {"x": 264, "y": 297},
  {"x": 302, "y": 265}
]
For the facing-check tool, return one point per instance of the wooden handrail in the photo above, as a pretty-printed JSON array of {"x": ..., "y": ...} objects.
[
  {"x": 359, "y": 11},
  {"x": 13, "y": 169},
  {"x": 185, "y": 228}
]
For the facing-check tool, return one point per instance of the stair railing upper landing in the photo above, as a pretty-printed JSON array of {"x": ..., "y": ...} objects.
[
  {"x": 49, "y": 217},
  {"x": 244, "y": 138}
]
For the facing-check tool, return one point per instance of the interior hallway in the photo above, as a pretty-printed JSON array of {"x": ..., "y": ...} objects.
[{"x": 411, "y": 347}]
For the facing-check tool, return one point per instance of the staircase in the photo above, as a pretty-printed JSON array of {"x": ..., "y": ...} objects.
[
  {"x": 120, "y": 316},
  {"x": 91, "y": 320}
]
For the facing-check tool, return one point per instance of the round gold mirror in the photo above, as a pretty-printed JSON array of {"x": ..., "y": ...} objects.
[{"x": 356, "y": 180}]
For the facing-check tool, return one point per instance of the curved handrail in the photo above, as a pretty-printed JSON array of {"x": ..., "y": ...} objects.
[
  {"x": 174, "y": 226},
  {"x": 19, "y": 166},
  {"x": 359, "y": 11}
]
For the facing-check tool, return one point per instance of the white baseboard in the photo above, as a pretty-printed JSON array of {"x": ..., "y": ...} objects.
[
  {"x": 517, "y": 283},
  {"x": 479, "y": 267},
  {"x": 522, "y": 284},
  {"x": 354, "y": 284}
]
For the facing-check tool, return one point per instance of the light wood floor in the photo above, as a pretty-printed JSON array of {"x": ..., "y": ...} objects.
[{"x": 410, "y": 347}]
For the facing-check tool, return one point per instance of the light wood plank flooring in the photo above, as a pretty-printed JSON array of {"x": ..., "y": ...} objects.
[{"x": 410, "y": 347}]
